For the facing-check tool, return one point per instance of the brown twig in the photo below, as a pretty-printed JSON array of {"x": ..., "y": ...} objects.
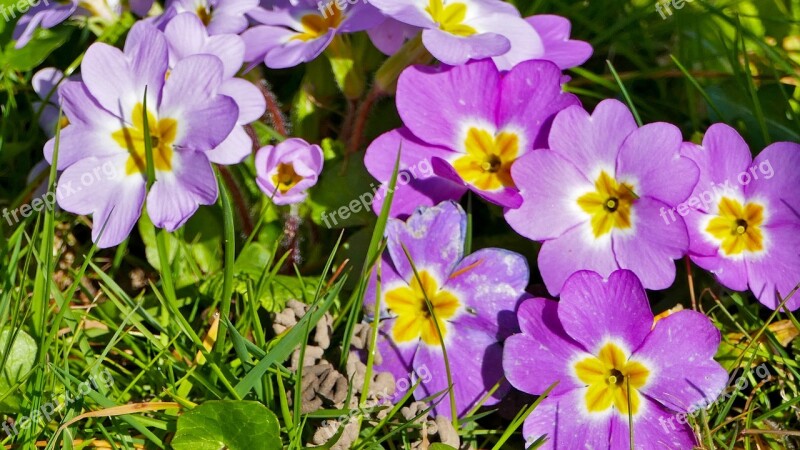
[
  {"x": 274, "y": 113},
  {"x": 362, "y": 114},
  {"x": 238, "y": 200}
]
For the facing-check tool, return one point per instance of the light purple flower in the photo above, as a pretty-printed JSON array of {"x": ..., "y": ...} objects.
[
  {"x": 219, "y": 16},
  {"x": 45, "y": 84},
  {"x": 744, "y": 215},
  {"x": 557, "y": 46},
  {"x": 598, "y": 342},
  {"x": 186, "y": 115},
  {"x": 473, "y": 299},
  {"x": 286, "y": 171},
  {"x": 390, "y": 35},
  {"x": 49, "y": 13},
  {"x": 472, "y": 122},
  {"x": 595, "y": 196},
  {"x": 186, "y": 36},
  {"x": 299, "y": 32},
  {"x": 42, "y": 15},
  {"x": 553, "y": 31},
  {"x": 456, "y": 32}
]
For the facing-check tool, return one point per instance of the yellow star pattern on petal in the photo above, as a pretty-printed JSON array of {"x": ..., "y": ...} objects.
[
  {"x": 414, "y": 319},
  {"x": 737, "y": 227},
  {"x": 608, "y": 376},
  {"x": 609, "y": 205},
  {"x": 450, "y": 17},
  {"x": 487, "y": 164},
  {"x": 162, "y": 135}
]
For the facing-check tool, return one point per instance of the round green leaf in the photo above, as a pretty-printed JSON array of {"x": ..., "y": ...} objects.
[{"x": 226, "y": 424}]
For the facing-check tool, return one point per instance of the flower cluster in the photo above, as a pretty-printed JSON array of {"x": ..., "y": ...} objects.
[{"x": 613, "y": 203}]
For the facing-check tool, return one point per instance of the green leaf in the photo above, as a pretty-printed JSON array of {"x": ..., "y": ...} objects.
[
  {"x": 19, "y": 361},
  {"x": 440, "y": 446},
  {"x": 40, "y": 47},
  {"x": 235, "y": 425}
]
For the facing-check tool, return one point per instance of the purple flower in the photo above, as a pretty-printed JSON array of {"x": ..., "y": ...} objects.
[
  {"x": 744, "y": 215},
  {"x": 390, "y": 35},
  {"x": 219, "y": 16},
  {"x": 473, "y": 300},
  {"x": 297, "y": 33},
  {"x": 45, "y": 84},
  {"x": 557, "y": 46},
  {"x": 186, "y": 36},
  {"x": 48, "y": 13},
  {"x": 186, "y": 117},
  {"x": 596, "y": 195},
  {"x": 42, "y": 15},
  {"x": 598, "y": 343},
  {"x": 553, "y": 31},
  {"x": 459, "y": 31},
  {"x": 287, "y": 170},
  {"x": 472, "y": 122}
]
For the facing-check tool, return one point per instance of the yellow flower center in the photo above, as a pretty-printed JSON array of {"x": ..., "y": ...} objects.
[
  {"x": 162, "y": 135},
  {"x": 285, "y": 177},
  {"x": 609, "y": 376},
  {"x": 316, "y": 25},
  {"x": 737, "y": 227},
  {"x": 450, "y": 18},
  {"x": 414, "y": 319},
  {"x": 204, "y": 14},
  {"x": 609, "y": 205},
  {"x": 487, "y": 164}
]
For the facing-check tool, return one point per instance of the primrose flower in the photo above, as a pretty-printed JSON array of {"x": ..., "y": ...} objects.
[
  {"x": 594, "y": 196},
  {"x": 42, "y": 15},
  {"x": 744, "y": 215},
  {"x": 287, "y": 170},
  {"x": 456, "y": 32},
  {"x": 48, "y": 14},
  {"x": 186, "y": 118},
  {"x": 473, "y": 122},
  {"x": 553, "y": 31},
  {"x": 601, "y": 345},
  {"x": 557, "y": 46},
  {"x": 45, "y": 83},
  {"x": 186, "y": 36},
  {"x": 473, "y": 300},
  {"x": 299, "y": 32},
  {"x": 218, "y": 16}
]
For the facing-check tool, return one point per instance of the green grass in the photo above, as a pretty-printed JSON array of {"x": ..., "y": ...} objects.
[{"x": 144, "y": 312}]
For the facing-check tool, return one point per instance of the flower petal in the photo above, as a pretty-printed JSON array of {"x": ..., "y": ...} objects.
[
  {"x": 433, "y": 101},
  {"x": 593, "y": 309},
  {"x": 492, "y": 284},
  {"x": 550, "y": 186},
  {"x": 651, "y": 250},
  {"x": 540, "y": 355},
  {"x": 444, "y": 224},
  {"x": 651, "y": 157},
  {"x": 473, "y": 372},
  {"x": 176, "y": 195},
  {"x": 680, "y": 353},
  {"x": 563, "y": 418}
]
